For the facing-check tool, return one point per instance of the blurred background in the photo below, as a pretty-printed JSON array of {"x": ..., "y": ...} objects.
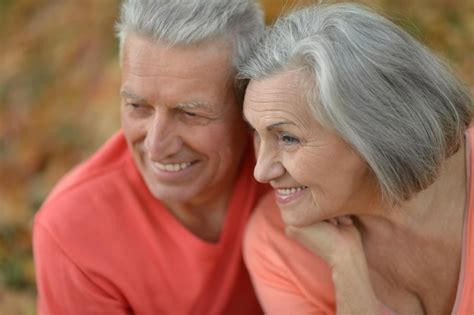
[{"x": 59, "y": 83}]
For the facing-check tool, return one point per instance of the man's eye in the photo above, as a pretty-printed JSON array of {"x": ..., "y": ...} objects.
[
  {"x": 191, "y": 118},
  {"x": 189, "y": 114},
  {"x": 135, "y": 106},
  {"x": 138, "y": 110}
]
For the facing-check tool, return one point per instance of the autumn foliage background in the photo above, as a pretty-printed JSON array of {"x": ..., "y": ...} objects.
[{"x": 59, "y": 83}]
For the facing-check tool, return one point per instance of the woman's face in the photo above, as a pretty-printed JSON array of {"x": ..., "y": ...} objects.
[{"x": 315, "y": 174}]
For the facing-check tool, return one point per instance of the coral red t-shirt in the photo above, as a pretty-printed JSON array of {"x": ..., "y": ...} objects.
[
  {"x": 289, "y": 279},
  {"x": 104, "y": 245}
]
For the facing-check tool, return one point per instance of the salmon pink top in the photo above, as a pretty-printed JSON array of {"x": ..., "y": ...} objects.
[
  {"x": 104, "y": 245},
  {"x": 289, "y": 279}
]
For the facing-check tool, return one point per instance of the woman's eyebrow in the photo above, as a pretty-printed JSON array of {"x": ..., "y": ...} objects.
[
  {"x": 272, "y": 126},
  {"x": 279, "y": 123}
]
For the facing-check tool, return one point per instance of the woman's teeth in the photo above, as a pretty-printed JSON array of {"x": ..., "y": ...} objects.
[
  {"x": 289, "y": 191},
  {"x": 173, "y": 167}
]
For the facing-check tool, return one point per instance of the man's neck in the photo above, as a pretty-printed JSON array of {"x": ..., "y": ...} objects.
[
  {"x": 205, "y": 215},
  {"x": 204, "y": 220}
]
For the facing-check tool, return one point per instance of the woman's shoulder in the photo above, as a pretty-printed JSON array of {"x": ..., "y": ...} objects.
[
  {"x": 265, "y": 236},
  {"x": 267, "y": 214},
  {"x": 281, "y": 263},
  {"x": 265, "y": 232}
]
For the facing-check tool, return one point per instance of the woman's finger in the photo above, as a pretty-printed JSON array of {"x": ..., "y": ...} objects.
[{"x": 345, "y": 220}]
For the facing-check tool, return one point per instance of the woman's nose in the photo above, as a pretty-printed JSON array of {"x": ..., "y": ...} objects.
[{"x": 268, "y": 166}]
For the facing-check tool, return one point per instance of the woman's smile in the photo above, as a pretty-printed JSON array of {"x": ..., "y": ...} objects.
[{"x": 285, "y": 195}]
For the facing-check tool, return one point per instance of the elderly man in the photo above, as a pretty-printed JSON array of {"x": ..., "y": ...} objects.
[{"x": 152, "y": 223}]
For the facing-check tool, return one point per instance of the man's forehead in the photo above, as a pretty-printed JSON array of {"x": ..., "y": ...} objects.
[
  {"x": 197, "y": 104},
  {"x": 208, "y": 53}
]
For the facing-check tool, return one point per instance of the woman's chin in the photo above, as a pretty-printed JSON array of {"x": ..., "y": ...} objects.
[{"x": 293, "y": 219}]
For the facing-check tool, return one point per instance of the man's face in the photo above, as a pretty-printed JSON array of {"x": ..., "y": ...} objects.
[{"x": 181, "y": 118}]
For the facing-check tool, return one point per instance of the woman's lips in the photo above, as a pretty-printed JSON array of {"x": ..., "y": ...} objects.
[{"x": 286, "y": 195}]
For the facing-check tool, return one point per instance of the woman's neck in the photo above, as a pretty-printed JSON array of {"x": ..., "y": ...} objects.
[
  {"x": 439, "y": 209},
  {"x": 420, "y": 238}
]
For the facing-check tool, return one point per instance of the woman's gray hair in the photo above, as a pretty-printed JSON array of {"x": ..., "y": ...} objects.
[
  {"x": 187, "y": 22},
  {"x": 382, "y": 91}
]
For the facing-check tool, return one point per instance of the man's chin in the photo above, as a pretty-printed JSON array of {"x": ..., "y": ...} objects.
[{"x": 172, "y": 196}]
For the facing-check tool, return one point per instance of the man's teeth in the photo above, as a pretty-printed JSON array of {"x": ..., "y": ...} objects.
[
  {"x": 173, "y": 167},
  {"x": 289, "y": 191}
]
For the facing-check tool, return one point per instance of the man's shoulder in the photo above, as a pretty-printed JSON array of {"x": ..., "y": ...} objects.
[
  {"x": 89, "y": 184},
  {"x": 93, "y": 206},
  {"x": 106, "y": 161}
]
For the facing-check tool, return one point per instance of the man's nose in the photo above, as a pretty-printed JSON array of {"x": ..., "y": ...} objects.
[
  {"x": 268, "y": 165},
  {"x": 162, "y": 139}
]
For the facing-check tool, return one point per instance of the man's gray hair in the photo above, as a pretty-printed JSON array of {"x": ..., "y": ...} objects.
[
  {"x": 187, "y": 22},
  {"x": 382, "y": 91}
]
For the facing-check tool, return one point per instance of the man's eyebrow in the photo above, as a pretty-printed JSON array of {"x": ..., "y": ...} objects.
[
  {"x": 131, "y": 95},
  {"x": 193, "y": 105}
]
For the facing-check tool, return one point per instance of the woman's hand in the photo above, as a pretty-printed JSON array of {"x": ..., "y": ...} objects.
[{"x": 338, "y": 242}]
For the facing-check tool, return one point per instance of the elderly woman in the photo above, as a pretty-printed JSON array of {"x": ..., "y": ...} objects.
[{"x": 364, "y": 135}]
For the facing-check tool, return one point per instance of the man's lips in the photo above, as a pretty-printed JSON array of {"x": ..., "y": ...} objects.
[
  {"x": 172, "y": 171},
  {"x": 172, "y": 167}
]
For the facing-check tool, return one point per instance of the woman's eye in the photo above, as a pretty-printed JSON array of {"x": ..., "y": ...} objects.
[{"x": 289, "y": 140}]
